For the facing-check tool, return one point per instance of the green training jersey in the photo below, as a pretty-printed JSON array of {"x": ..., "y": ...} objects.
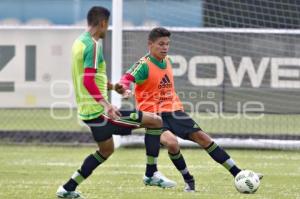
[
  {"x": 140, "y": 70},
  {"x": 88, "y": 53}
]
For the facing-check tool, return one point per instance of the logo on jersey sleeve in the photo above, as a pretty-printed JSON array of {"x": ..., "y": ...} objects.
[{"x": 165, "y": 82}]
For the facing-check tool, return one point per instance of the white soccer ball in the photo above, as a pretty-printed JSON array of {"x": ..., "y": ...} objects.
[{"x": 246, "y": 181}]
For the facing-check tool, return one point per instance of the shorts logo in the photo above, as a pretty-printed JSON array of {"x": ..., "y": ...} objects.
[
  {"x": 165, "y": 82},
  {"x": 195, "y": 126}
]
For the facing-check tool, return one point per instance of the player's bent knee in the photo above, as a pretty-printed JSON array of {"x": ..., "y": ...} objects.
[
  {"x": 172, "y": 144},
  {"x": 157, "y": 122},
  {"x": 173, "y": 148},
  {"x": 151, "y": 120}
]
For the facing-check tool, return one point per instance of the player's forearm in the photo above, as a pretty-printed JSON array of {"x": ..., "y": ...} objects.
[
  {"x": 90, "y": 84},
  {"x": 126, "y": 80}
]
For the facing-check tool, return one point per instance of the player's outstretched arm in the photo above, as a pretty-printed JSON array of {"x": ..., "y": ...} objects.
[
  {"x": 123, "y": 86},
  {"x": 126, "y": 80}
]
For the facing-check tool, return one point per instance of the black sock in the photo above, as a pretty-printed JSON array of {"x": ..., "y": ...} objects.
[
  {"x": 220, "y": 156},
  {"x": 180, "y": 164},
  {"x": 70, "y": 185},
  {"x": 152, "y": 143},
  {"x": 90, "y": 163}
]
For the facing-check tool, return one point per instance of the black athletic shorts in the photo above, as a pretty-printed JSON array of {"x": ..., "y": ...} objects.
[
  {"x": 179, "y": 123},
  {"x": 103, "y": 127}
]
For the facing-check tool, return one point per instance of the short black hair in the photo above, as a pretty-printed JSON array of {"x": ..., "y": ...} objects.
[
  {"x": 97, "y": 14},
  {"x": 157, "y": 33}
]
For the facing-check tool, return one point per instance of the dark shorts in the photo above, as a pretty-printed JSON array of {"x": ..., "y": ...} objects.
[
  {"x": 103, "y": 127},
  {"x": 179, "y": 123}
]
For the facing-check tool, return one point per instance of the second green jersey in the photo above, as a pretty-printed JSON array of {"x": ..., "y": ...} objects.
[
  {"x": 140, "y": 70},
  {"x": 88, "y": 53}
]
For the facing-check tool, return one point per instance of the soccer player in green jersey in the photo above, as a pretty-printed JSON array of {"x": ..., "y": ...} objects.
[
  {"x": 91, "y": 86},
  {"x": 155, "y": 93}
]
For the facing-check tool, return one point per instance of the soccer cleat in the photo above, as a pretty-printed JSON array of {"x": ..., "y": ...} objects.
[
  {"x": 63, "y": 193},
  {"x": 158, "y": 179},
  {"x": 189, "y": 185}
]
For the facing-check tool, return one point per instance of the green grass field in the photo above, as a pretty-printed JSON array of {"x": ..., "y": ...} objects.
[
  {"x": 35, "y": 172},
  {"x": 41, "y": 120}
]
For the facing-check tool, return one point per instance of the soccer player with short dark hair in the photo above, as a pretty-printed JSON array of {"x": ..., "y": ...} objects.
[
  {"x": 155, "y": 93},
  {"x": 91, "y": 86}
]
